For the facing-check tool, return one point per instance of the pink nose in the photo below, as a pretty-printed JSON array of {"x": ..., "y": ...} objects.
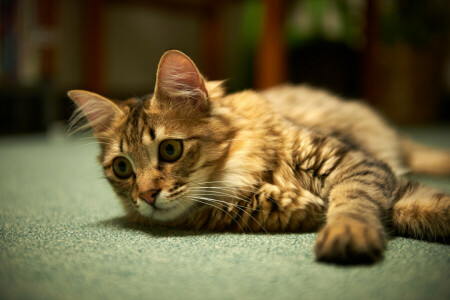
[{"x": 149, "y": 196}]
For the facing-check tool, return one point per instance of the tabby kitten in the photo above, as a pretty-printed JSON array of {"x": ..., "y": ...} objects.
[{"x": 286, "y": 159}]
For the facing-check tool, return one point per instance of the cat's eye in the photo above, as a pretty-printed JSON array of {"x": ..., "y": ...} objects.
[
  {"x": 170, "y": 150},
  {"x": 122, "y": 167}
]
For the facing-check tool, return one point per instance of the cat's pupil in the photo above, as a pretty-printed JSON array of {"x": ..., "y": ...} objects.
[
  {"x": 170, "y": 150},
  {"x": 122, "y": 166}
]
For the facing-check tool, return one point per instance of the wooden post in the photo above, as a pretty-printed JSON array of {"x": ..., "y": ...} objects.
[
  {"x": 212, "y": 40},
  {"x": 270, "y": 64},
  {"x": 93, "y": 45},
  {"x": 371, "y": 32}
]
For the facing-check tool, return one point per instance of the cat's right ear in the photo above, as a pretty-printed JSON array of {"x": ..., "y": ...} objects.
[
  {"x": 180, "y": 84},
  {"x": 98, "y": 110}
]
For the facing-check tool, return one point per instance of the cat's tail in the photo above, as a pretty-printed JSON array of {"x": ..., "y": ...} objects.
[
  {"x": 421, "y": 212},
  {"x": 423, "y": 159}
]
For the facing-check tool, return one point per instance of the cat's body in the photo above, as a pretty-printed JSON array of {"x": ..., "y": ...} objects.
[
  {"x": 356, "y": 124},
  {"x": 285, "y": 159}
]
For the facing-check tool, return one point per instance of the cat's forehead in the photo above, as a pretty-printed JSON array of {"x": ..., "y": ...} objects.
[{"x": 146, "y": 123}]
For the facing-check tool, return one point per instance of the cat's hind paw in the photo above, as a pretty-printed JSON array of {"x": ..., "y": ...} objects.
[{"x": 349, "y": 241}]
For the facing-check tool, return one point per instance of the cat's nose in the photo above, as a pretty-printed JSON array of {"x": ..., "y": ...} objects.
[{"x": 149, "y": 196}]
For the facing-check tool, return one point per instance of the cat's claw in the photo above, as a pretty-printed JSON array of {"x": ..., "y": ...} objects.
[
  {"x": 268, "y": 190},
  {"x": 349, "y": 241}
]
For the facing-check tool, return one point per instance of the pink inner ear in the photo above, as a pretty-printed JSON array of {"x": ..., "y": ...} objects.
[
  {"x": 178, "y": 76},
  {"x": 99, "y": 111},
  {"x": 91, "y": 110}
]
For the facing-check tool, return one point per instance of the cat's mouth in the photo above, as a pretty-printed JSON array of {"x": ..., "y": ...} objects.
[
  {"x": 157, "y": 205},
  {"x": 163, "y": 209},
  {"x": 163, "y": 200}
]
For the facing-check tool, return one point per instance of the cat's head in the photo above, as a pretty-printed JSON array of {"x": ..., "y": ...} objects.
[{"x": 158, "y": 152}]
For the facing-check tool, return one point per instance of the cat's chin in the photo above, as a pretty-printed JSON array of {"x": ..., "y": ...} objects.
[{"x": 166, "y": 214}]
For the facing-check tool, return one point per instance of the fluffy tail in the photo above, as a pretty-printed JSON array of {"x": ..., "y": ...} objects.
[
  {"x": 423, "y": 159},
  {"x": 421, "y": 212}
]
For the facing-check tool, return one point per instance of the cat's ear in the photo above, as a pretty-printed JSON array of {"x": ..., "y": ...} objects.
[
  {"x": 98, "y": 110},
  {"x": 178, "y": 82}
]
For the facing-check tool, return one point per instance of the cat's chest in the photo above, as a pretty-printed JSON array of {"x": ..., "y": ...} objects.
[
  {"x": 292, "y": 207},
  {"x": 288, "y": 197}
]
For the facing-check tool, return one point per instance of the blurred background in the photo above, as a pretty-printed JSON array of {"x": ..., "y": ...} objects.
[{"x": 395, "y": 54}]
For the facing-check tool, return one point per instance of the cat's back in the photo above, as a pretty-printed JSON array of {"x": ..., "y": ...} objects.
[
  {"x": 248, "y": 109},
  {"x": 351, "y": 121},
  {"x": 313, "y": 107}
]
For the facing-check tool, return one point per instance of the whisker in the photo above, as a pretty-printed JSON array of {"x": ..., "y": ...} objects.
[
  {"x": 237, "y": 205},
  {"x": 98, "y": 143},
  {"x": 224, "y": 188},
  {"x": 232, "y": 204},
  {"x": 224, "y": 194},
  {"x": 221, "y": 209},
  {"x": 183, "y": 203},
  {"x": 221, "y": 181}
]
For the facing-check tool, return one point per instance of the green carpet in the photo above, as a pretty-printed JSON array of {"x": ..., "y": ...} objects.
[{"x": 61, "y": 237}]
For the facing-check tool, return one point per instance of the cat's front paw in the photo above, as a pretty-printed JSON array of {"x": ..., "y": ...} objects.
[{"x": 349, "y": 241}]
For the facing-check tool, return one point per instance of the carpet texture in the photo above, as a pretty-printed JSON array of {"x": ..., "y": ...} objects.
[{"x": 62, "y": 237}]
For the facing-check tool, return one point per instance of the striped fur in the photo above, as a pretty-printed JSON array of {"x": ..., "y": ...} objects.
[{"x": 251, "y": 164}]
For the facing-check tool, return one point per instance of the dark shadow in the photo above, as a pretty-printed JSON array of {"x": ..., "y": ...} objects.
[
  {"x": 124, "y": 223},
  {"x": 356, "y": 260},
  {"x": 167, "y": 231}
]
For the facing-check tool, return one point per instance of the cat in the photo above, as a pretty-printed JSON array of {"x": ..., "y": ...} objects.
[{"x": 288, "y": 159}]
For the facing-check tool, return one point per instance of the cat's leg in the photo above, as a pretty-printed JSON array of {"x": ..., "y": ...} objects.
[
  {"x": 358, "y": 203},
  {"x": 421, "y": 212},
  {"x": 353, "y": 232}
]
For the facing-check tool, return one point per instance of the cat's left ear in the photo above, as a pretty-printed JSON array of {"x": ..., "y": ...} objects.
[
  {"x": 179, "y": 83},
  {"x": 99, "y": 111}
]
